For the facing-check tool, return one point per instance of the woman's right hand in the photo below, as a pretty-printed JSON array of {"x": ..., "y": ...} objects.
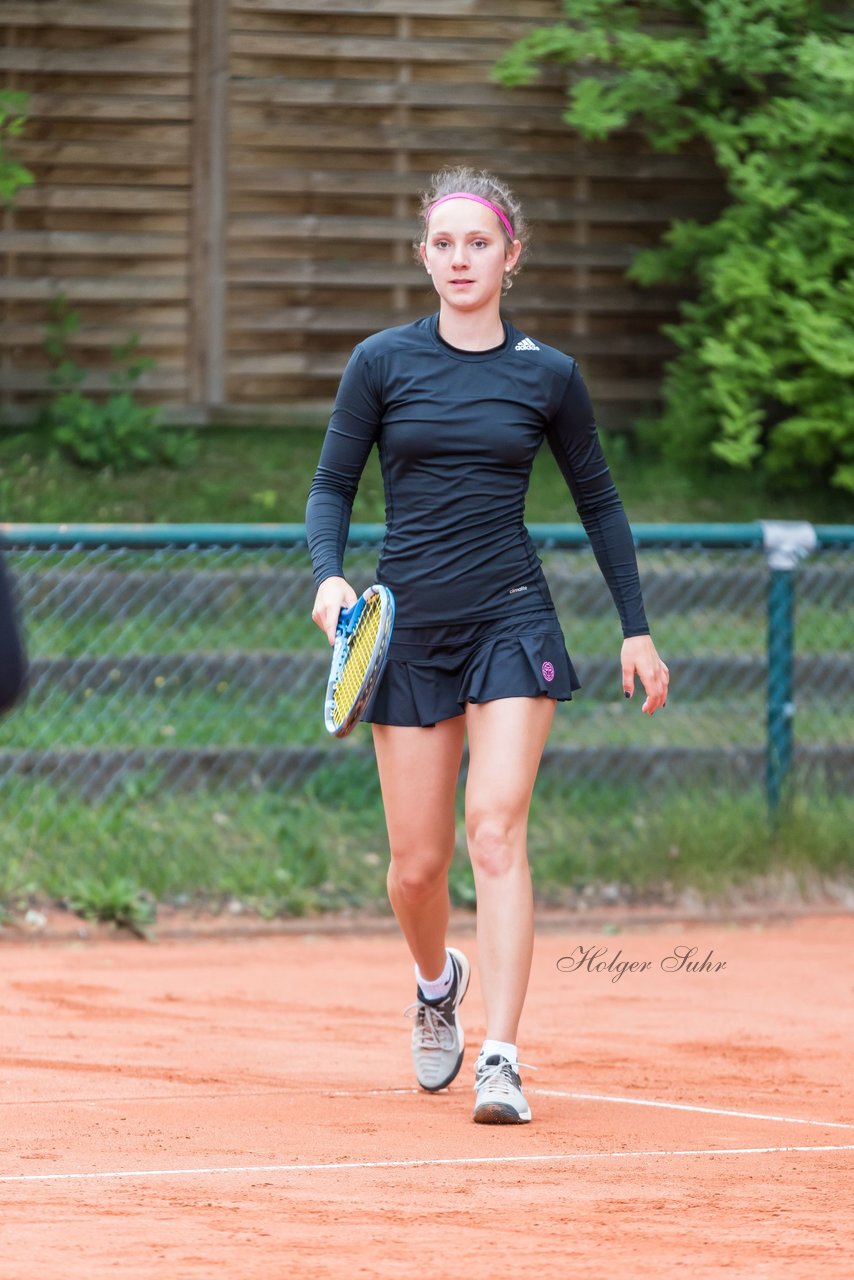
[{"x": 333, "y": 595}]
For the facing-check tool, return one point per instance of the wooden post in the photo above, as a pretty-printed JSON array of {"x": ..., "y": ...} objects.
[{"x": 206, "y": 348}]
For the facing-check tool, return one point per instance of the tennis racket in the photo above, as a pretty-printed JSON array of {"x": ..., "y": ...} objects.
[{"x": 358, "y": 658}]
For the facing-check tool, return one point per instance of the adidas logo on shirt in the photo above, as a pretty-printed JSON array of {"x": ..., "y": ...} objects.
[{"x": 526, "y": 345}]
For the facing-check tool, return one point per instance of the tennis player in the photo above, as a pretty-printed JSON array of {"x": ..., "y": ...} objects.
[{"x": 458, "y": 404}]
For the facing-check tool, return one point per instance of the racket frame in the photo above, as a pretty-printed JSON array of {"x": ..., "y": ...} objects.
[{"x": 347, "y": 621}]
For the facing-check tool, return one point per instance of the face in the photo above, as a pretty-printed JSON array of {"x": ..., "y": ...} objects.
[{"x": 465, "y": 251}]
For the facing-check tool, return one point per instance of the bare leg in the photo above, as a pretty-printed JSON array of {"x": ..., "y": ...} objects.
[
  {"x": 506, "y": 741},
  {"x": 418, "y": 771}
]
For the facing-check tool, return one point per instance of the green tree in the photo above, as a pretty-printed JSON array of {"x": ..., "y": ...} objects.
[{"x": 764, "y": 373}]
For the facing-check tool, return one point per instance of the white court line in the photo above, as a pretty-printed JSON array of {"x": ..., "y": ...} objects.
[
  {"x": 345, "y": 1166},
  {"x": 685, "y": 1106},
  {"x": 607, "y": 1097}
]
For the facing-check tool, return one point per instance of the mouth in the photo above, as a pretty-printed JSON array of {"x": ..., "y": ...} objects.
[{"x": 462, "y": 282}]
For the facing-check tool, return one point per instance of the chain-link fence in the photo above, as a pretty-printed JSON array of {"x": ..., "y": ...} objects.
[{"x": 175, "y": 658}]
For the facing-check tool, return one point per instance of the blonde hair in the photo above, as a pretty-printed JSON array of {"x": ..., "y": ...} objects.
[{"x": 477, "y": 182}]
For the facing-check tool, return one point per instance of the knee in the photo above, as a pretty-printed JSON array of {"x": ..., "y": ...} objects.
[
  {"x": 492, "y": 842},
  {"x": 417, "y": 880}
]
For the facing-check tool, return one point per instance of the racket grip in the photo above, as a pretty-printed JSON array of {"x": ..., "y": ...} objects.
[{"x": 347, "y": 618}]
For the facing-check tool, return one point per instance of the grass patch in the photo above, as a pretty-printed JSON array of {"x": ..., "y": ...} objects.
[
  {"x": 247, "y": 474},
  {"x": 281, "y": 855},
  {"x": 326, "y": 848},
  {"x": 119, "y": 901},
  {"x": 716, "y": 842}
]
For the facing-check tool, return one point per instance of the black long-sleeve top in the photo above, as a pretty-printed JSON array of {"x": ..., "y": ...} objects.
[{"x": 457, "y": 432}]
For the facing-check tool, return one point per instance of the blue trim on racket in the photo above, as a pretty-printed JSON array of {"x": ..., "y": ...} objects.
[{"x": 348, "y": 621}]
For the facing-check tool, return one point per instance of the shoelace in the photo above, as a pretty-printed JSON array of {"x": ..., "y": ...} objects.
[
  {"x": 432, "y": 1027},
  {"x": 497, "y": 1076}
]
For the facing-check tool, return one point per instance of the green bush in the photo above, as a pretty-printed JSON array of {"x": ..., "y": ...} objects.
[
  {"x": 764, "y": 374},
  {"x": 117, "y": 432}
]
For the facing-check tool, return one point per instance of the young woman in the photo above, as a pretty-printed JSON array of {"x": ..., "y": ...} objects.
[{"x": 458, "y": 404}]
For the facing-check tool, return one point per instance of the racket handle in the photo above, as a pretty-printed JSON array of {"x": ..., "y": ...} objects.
[{"x": 348, "y": 618}]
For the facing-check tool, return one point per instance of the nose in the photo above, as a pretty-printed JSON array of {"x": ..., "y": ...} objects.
[{"x": 460, "y": 256}]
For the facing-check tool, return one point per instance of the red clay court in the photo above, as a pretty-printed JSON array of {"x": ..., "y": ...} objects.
[{"x": 245, "y": 1106}]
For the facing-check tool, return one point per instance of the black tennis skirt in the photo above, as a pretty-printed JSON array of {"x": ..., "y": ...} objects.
[{"x": 432, "y": 672}]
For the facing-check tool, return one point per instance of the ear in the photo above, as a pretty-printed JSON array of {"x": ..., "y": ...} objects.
[
  {"x": 422, "y": 249},
  {"x": 512, "y": 255}
]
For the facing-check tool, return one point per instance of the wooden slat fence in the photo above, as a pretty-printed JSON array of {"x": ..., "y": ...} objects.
[{"x": 237, "y": 181}]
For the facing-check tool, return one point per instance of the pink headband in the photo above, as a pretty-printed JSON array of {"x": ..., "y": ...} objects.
[{"x": 466, "y": 195}]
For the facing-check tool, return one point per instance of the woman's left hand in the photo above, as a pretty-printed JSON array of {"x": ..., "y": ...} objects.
[{"x": 639, "y": 657}]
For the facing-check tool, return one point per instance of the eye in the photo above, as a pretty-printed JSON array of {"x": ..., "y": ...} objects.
[
  {"x": 481, "y": 244},
  {"x": 440, "y": 243}
]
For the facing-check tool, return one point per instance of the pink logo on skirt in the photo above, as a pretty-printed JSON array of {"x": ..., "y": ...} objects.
[{"x": 548, "y": 671}]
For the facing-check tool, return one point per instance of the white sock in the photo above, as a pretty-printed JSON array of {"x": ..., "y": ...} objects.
[
  {"x": 439, "y": 987},
  {"x": 502, "y": 1048}
]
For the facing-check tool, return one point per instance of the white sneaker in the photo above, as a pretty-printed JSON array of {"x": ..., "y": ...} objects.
[
  {"x": 438, "y": 1040},
  {"x": 500, "y": 1099}
]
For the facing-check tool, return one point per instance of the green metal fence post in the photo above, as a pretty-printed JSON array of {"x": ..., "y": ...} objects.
[{"x": 786, "y": 543}]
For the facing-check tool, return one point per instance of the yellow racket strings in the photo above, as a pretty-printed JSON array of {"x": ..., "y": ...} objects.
[{"x": 358, "y": 657}]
